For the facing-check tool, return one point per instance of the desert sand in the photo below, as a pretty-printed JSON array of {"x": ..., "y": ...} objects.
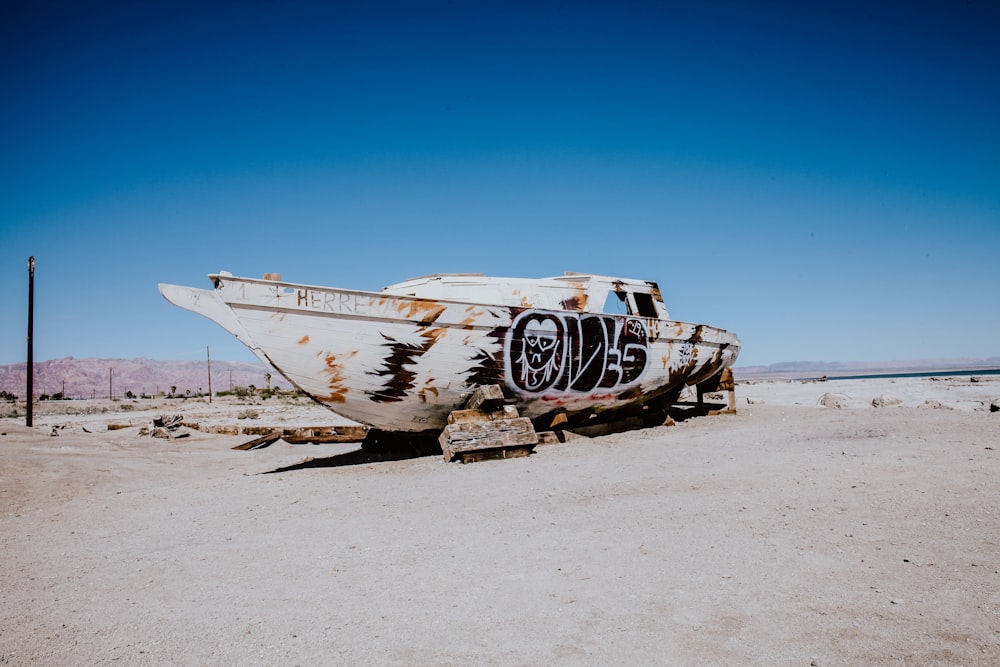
[{"x": 791, "y": 533}]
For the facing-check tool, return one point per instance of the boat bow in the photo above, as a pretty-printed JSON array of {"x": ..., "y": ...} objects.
[{"x": 208, "y": 304}]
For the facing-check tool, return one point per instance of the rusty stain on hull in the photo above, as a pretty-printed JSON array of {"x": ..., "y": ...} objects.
[
  {"x": 427, "y": 391},
  {"x": 576, "y": 303},
  {"x": 428, "y": 311},
  {"x": 338, "y": 390}
]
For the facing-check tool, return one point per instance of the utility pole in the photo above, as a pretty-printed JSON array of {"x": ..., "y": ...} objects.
[
  {"x": 208, "y": 356},
  {"x": 31, "y": 323},
  {"x": 111, "y": 378}
]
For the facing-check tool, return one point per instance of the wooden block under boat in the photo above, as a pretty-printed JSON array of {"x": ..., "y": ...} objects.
[
  {"x": 471, "y": 436},
  {"x": 462, "y": 416},
  {"x": 490, "y": 454},
  {"x": 487, "y": 397}
]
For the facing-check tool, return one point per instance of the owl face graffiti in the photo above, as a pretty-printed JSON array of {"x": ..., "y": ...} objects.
[
  {"x": 539, "y": 360},
  {"x": 574, "y": 353}
]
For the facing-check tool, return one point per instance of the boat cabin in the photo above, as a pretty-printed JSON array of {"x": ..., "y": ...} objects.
[{"x": 577, "y": 292}]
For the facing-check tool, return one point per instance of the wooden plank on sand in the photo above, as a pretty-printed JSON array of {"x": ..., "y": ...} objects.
[{"x": 261, "y": 442}]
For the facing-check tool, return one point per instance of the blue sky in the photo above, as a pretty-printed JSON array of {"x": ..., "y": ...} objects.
[{"x": 822, "y": 179}]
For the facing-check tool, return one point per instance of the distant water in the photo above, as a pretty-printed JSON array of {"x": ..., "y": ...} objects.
[{"x": 924, "y": 374}]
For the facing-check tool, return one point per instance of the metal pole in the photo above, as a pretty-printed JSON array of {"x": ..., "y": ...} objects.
[
  {"x": 208, "y": 355},
  {"x": 31, "y": 325},
  {"x": 111, "y": 377}
]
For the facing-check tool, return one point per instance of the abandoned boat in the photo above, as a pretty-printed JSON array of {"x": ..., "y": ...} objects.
[{"x": 574, "y": 348}]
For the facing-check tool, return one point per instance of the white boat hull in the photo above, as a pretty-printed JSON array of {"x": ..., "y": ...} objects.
[{"x": 400, "y": 363}]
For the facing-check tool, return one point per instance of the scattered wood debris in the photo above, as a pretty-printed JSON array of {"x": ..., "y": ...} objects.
[
  {"x": 164, "y": 427},
  {"x": 298, "y": 435},
  {"x": 261, "y": 442}
]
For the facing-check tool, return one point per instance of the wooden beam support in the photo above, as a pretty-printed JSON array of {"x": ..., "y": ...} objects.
[
  {"x": 480, "y": 435},
  {"x": 488, "y": 397}
]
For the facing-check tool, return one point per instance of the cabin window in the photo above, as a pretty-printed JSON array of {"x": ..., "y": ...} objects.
[
  {"x": 645, "y": 305},
  {"x": 616, "y": 304}
]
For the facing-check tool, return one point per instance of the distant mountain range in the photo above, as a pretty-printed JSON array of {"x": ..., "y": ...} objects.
[
  {"x": 99, "y": 378},
  {"x": 838, "y": 368}
]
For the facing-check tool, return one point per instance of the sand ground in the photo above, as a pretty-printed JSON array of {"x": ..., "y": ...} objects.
[{"x": 787, "y": 534}]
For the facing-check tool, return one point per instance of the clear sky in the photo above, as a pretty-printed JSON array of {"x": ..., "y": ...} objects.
[{"x": 821, "y": 178}]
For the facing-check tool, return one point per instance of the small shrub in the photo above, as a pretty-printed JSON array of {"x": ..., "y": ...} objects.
[{"x": 239, "y": 392}]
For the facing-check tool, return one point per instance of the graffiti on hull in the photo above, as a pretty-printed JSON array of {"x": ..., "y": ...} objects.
[{"x": 550, "y": 352}]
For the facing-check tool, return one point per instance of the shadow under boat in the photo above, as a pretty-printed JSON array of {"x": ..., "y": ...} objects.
[
  {"x": 352, "y": 458},
  {"x": 382, "y": 447},
  {"x": 377, "y": 447}
]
